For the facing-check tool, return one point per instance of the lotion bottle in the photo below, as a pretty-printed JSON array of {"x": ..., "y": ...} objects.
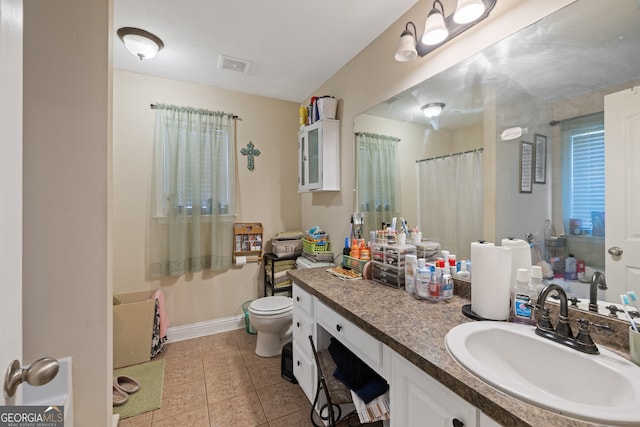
[{"x": 422, "y": 283}]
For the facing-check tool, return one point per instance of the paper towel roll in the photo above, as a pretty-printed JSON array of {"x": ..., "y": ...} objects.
[
  {"x": 490, "y": 283},
  {"x": 241, "y": 260},
  {"x": 521, "y": 255}
]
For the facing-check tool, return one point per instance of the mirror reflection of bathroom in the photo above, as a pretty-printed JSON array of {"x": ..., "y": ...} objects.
[{"x": 545, "y": 85}]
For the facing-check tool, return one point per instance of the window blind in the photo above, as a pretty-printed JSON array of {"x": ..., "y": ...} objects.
[{"x": 587, "y": 174}]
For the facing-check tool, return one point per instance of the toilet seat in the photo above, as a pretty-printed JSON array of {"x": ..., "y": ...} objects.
[{"x": 271, "y": 305}]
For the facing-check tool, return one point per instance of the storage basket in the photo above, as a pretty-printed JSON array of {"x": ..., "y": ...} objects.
[
  {"x": 355, "y": 264},
  {"x": 316, "y": 247}
]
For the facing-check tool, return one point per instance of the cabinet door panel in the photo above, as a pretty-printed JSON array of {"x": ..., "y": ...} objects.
[
  {"x": 304, "y": 369},
  {"x": 416, "y": 397}
]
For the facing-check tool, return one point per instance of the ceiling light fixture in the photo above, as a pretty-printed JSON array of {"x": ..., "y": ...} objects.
[
  {"x": 139, "y": 42},
  {"x": 435, "y": 30},
  {"x": 438, "y": 29},
  {"x": 432, "y": 109}
]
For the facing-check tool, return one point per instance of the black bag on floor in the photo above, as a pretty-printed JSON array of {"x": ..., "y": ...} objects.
[{"x": 287, "y": 363}]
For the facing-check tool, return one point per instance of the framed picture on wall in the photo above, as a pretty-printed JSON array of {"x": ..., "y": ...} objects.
[
  {"x": 540, "y": 168},
  {"x": 526, "y": 166}
]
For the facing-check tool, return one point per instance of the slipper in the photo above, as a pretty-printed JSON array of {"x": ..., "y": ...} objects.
[
  {"x": 126, "y": 383},
  {"x": 119, "y": 396}
]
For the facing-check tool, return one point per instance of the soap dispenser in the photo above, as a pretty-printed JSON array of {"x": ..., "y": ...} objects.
[{"x": 523, "y": 296}]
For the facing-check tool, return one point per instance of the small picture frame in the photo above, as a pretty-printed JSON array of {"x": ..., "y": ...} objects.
[
  {"x": 526, "y": 166},
  {"x": 540, "y": 165}
]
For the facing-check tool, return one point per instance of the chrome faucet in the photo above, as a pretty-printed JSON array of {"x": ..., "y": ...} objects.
[
  {"x": 562, "y": 333},
  {"x": 597, "y": 282}
]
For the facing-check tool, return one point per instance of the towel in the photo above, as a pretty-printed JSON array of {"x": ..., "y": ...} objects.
[
  {"x": 164, "y": 317},
  {"x": 376, "y": 410}
]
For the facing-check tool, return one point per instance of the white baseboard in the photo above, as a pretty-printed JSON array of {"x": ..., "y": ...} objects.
[{"x": 201, "y": 329}]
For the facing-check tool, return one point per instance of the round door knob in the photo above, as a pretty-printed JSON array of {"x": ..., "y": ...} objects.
[
  {"x": 339, "y": 328},
  {"x": 298, "y": 362},
  {"x": 298, "y": 299},
  {"x": 457, "y": 423},
  {"x": 615, "y": 251},
  {"x": 298, "y": 324}
]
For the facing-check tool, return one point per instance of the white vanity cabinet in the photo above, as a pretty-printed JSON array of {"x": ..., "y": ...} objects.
[
  {"x": 319, "y": 156},
  {"x": 304, "y": 324},
  {"x": 416, "y": 397}
]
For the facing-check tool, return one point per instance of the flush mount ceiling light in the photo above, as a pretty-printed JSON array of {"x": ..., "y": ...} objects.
[
  {"x": 139, "y": 42},
  {"x": 513, "y": 133},
  {"x": 438, "y": 29},
  {"x": 432, "y": 109}
]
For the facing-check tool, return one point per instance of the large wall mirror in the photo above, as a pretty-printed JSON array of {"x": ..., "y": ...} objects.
[{"x": 518, "y": 102}]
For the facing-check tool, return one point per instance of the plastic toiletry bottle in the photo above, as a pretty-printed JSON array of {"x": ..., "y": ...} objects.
[
  {"x": 447, "y": 287},
  {"x": 453, "y": 269},
  {"x": 536, "y": 279},
  {"x": 435, "y": 284},
  {"x": 422, "y": 282},
  {"x": 522, "y": 298},
  {"x": 410, "y": 273},
  {"x": 463, "y": 273},
  {"x": 571, "y": 268}
]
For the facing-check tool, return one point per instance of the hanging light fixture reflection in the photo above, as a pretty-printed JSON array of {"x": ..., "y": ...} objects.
[
  {"x": 432, "y": 109},
  {"x": 435, "y": 30},
  {"x": 139, "y": 42}
]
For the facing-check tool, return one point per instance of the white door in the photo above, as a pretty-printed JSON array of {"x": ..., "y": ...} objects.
[
  {"x": 622, "y": 204},
  {"x": 10, "y": 187}
]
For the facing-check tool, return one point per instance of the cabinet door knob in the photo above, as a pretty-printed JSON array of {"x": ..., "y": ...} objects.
[
  {"x": 339, "y": 328},
  {"x": 298, "y": 299},
  {"x": 298, "y": 363},
  {"x": 298, "y": 324},
  {"x": 457, "y": 423}
]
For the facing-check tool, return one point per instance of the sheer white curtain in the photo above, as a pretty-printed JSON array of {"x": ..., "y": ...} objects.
[
  {"x": 193, "y": 191},
  {"x": 377, "y": 186},
  {"x": 450, "y": 200}
]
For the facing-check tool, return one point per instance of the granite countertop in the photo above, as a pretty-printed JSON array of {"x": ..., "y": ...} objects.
[{"x": 416, "y": 329}]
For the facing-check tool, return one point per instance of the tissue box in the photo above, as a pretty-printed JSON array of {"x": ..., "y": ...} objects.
[{"x": 132, "y": 328}]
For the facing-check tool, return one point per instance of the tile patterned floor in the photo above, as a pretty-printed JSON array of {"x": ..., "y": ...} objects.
[{"x": 218, "y": 381}]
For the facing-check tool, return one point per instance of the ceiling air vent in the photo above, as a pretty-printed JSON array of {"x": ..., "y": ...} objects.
[{"x": 233, "y": 64}]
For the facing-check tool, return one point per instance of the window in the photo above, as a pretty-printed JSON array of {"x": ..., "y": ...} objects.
[
  {"x": 377, "y": 184},
  {"x": 583, "y": 173},
  {"x": 195, "y": 158},
  {"x": 191, "y": 226}
]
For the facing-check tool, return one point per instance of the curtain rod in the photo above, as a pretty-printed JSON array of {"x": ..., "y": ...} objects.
[
  {"x": 378, "y": 135},
  {"x": 154, "y": 106},
  {"x": 450, "y": 155}
]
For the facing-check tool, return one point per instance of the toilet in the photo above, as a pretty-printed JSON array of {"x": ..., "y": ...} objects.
[{"x": 272, "y": 318}]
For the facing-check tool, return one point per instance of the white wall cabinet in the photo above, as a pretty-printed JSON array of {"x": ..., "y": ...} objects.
[{"x": 319, "y": 156}]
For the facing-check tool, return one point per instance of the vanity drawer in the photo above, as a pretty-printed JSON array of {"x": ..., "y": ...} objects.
[
  {"x": 304, "y": 369},
  {"x": 363, "y": 345},
  {"x": 302, "y": 328},
  {"x": 302, "y": 300}
]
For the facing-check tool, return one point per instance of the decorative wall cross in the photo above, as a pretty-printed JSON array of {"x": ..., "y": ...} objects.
[{"x": 250, "y": 152}]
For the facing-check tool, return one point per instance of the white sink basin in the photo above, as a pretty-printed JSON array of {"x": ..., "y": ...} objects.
[{"x": 601, "y": 388}]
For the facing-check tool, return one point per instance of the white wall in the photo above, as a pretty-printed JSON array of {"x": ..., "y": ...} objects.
[
  {"x": 66, "y": 258},
  {"x": 268, "y": 194}
]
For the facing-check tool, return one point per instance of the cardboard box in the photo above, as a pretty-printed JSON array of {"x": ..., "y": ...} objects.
[{"x": 132, "y": 328}]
